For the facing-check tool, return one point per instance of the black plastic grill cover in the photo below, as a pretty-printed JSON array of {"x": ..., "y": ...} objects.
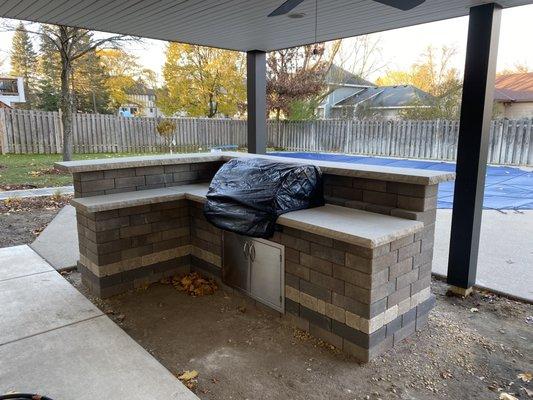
[{"x": 247, "y": 195}]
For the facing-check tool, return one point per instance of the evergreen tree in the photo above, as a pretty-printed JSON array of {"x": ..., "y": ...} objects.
[
  {"x": 49, "y": 71},
  {"x": 89, "y": 81},
  {"x": 24, "y": 62}
]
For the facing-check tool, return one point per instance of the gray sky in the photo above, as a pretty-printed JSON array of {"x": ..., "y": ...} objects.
[{"x": 400, "y": 47}]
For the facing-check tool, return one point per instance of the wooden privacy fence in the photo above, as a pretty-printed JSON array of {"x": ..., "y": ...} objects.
[{"x": 22, "y": 131}]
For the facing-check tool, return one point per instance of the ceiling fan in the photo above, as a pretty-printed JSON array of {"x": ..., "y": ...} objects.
[{"x": 403, "y": 5}]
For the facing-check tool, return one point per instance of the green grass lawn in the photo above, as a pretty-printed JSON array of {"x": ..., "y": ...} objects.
[{"x": 33, "y": 169}]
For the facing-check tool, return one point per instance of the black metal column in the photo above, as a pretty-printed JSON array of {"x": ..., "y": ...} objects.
[
  {"x": 256, "y": 85},
  {"x": 476, "y": 113}
]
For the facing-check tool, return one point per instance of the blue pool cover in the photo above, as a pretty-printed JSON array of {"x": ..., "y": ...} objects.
[{"x": 506, "y": 188}]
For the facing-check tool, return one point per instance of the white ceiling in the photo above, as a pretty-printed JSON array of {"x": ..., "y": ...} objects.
[{"x": 235, "y": 24}]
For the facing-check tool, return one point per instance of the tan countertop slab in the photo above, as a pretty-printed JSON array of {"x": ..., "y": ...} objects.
[
  {"x": 359, "y": 227},
  {"x": 140, "y": 198},
  {"x": 405, "y": 175}
]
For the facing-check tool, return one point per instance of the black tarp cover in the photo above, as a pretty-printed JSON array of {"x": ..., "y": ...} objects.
[{"x": 247, "y": 195}]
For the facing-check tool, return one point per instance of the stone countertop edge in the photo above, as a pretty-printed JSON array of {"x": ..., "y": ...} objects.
[
  {"x": 392, "y": 174},
  {"x": 415, "y": 226}
]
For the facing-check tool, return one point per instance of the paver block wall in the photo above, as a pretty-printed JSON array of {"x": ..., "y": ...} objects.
[
  {"x": 361, "y": 300},
  {"x": 358, "y": 299},
  {"x": 403, "y": 200},
  {"x": 98, "y": 183},
  {"x": 131, "y": 247}
]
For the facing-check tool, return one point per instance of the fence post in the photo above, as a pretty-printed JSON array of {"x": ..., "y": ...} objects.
[{"x": 4, "y": 144}]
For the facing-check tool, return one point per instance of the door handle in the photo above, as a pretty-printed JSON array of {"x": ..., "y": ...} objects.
[
  {"x": 252, "y": 252},
  {"x": 246, "y": 249}
]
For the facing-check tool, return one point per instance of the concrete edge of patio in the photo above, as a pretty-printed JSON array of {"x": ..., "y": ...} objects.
[
  {"x": 37, "y": 192},
  {"x": 58, "y": 242}
]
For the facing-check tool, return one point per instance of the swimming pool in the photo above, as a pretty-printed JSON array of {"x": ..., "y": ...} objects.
[{"x": 506, "y": 188}]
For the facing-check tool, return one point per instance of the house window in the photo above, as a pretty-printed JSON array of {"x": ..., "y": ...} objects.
[
  {"x": 151, "y": 110},
  {"x": 9, "y": 87}
]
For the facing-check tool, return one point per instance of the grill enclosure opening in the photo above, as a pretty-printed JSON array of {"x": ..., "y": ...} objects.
[{"x": 246, "y": 196}]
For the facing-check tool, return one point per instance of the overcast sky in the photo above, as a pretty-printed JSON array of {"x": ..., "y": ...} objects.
[{"x": 400, "y": 47}]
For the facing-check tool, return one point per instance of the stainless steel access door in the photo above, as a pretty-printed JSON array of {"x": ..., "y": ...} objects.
[
  {"x": 255, "y": 266},
  {"x": 266, "y": 273}
]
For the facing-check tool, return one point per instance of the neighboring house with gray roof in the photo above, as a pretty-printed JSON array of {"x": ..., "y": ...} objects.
[{"x": 352, "y": 97}]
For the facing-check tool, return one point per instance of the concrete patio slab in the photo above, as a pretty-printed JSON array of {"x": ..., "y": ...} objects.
[
  {"x": 58, "y": 242},
  {"x": 505, "y": 254},
  {"x": 38, "y": 303},
  {"x": 37, "y": 192},
  {"x": 57, "y": 343},
  {"x": 20, "y": 261},
  {"x": 88, "y": 360}
]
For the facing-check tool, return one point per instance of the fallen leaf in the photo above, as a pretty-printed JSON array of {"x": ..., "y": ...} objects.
[
  {"x": 507, "y": 396},
  {"x": 526, "y": 376},
  {"x": 188, "y": 375}
]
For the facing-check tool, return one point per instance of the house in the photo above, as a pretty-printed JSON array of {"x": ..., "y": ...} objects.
[
  {"x": 341, "y": 84},
  {"x": 141, "y": 102},
  {"x": 352, "y": 97},
  {"x": 11, "y": 91},
  {"x": 513, "y": 96}
]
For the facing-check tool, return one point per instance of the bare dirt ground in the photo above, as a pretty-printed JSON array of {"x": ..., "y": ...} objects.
[
  {"x": 478, "y": 348},
  {"x": 22, "y": 220}
]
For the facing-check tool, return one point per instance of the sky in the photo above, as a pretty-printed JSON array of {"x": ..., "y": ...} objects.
[{"x": 400, "y": 48}]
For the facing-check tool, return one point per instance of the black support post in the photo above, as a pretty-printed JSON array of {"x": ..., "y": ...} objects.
[
  {"x": 476, "y": 113},
  {"x": 256, "y": 85}
]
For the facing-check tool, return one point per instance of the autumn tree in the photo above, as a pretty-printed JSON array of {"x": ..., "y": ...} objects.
[
  {"x": 295, "y": 78},
  {"x": 435, "y": 75},
  {"x": 72, "y": 44},
  {"x": 24, "y": 62},
  {"x": 202, "y": 81},
  {"x": 518, "y": 68},
  {"x": 124, "y": 73}
]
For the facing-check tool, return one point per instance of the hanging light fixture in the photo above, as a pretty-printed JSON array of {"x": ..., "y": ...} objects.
[{"x": 315, "y": 49}]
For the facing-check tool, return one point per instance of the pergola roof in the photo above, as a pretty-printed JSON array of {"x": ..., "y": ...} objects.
[{"x": 235, "y": 24}]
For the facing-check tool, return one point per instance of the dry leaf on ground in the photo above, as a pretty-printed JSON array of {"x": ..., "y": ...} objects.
[
  {"x": 188, "y": 375},
  {"x": 507, "y": 396},
  {"x": 193, "y": 283},
  {"x": 526, "y": 376}
]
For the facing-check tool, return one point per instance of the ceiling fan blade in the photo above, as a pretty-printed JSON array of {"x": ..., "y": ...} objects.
[
  {"x": 403, "y": 5},
  {"x": 285, "y": 8}
]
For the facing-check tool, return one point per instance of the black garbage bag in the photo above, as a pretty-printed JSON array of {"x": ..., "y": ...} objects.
[{"x": 247, "y": 195}]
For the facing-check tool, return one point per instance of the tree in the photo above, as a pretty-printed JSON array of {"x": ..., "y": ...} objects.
[
  {"x": 361, "y": 55},
  {"x": 202, "y": 81},
  {"x": 518, "y": 68},
  {"x": 435, "y": 75},
  {"x": 123, "y": 71},
  {"x": 295, "y": 77},
  {"x": 49, "y": 72},
  {"x": 24, "y": 62},
  {"x": 72, "y": 44}
]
